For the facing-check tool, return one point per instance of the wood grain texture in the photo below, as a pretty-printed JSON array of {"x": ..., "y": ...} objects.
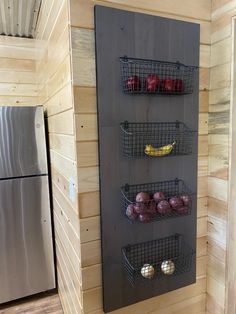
[
  {"x": 86, "y": 127},
  {"x": 44, "y": 304},
  {"x": 216, "y": 269},
  {"x": 154, "y": 305},
  {"x": 216, "y": 291},
  {"x": 85, "y": 99},
  {"x": 82, "y": 12},
  {"x": 218, "y": 188},
  {"x": 220, "y": 76},
  {"x": 89, "y": 204},
  {"x": 231, "y": 252},
  {"x": 217, "y": 208},
  {"x": 55, "y": 92},
  {"x": 216, "y": 249},
  {"x": 219, "y": 96},
  {"x": 213, "y": 307}
]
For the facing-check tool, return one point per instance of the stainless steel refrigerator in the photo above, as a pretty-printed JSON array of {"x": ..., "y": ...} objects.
[{"x": 26, "y": 248}]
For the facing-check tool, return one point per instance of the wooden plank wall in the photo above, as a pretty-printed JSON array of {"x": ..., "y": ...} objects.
[
  {"x": 54, "y": 79},
  {"x": 18, "y": 71},
  {"x": 190, "y": 299},
  {"x": 219, "y": 118}
]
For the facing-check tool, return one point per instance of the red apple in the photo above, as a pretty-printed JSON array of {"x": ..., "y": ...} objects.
[
  {"x": 158, "y": 196},
  {"x": 131, "y": 213},
  {"x": 133, "y": 83},
  {"x": 164, "y": 208},
  {"x": 168, "y": 85},
  {"x": 179, "y": 85},
  {"x": 152, "y": 82},
  {"x": 176, "y": 202}
]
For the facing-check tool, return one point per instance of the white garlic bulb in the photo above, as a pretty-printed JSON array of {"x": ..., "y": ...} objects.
[
  {"x": 147, "y": 271},
  {"x": 168, "y": 267}
]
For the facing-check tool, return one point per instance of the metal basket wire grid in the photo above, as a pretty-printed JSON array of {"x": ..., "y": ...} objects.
[
  {"x": 149, "y": 211},
  {"x": 156, "y": 139},
  {"x": 142, "y": 76},
  {"x": 156, "y": 259}
]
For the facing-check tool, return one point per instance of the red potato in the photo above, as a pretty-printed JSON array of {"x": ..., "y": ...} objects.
[
  {"x": 164, "y": 208},
  {"x": 145, "y": 217},
  {"x": 176, "y": 202},
  {"x": 131, "y": 212},
  {"x": 158, "y": 196},
  {"x": 152, "y": 82},
  {"x": 182, "y": 210},
  {"x": 133, "y": 83},
  {"x": 186, "y": 199}
]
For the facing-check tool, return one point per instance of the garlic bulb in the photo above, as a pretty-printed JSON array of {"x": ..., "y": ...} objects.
[
  {"x": 168, "y": 267},
  {"x": 147, "y": 271}
]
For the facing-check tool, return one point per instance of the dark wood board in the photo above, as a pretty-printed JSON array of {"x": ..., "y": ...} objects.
[{"x": 120, "y": 33}]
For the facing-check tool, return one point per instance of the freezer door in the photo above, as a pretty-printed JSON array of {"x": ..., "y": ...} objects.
[
  {"x": 26, "y": 250},
  {"x": 22, "y": 142}
]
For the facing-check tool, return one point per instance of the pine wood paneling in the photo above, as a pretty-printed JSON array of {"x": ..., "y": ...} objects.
[
  {"x": 88, "y": 179},
  {"x": 55, "y": 92},
  {"x": 216, "y": 291},
  {"x": 216, "y": 269},
  {"x": 217, "y": 208},
  {"x": 203, "y": 101},
  {"x": 87, "y": 153},
  {"x": 91, "y": 253},
  {"x": 61, "y": 123},
  {"x": 216, "y": 249},
  {"x": 219, "y": 96},
  {"x": 82, "y": 14},
  {"x": 18, "y": 65},
  {"x": 86, "y": 127},
  {"x": 85, "y": 99},
  {"x": 213, "y": 307},
  {"x": 89, "y": 204},
  {"x": 63, "y": 144},
  {"x": 218, "y": 188}
]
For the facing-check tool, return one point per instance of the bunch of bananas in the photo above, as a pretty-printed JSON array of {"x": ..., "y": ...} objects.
[{"x": 160, "y": 151}]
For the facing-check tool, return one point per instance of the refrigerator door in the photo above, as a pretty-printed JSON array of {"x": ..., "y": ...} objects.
[
  {"x": 26, "y": 249},
  {"x": 22, "y": 142}
]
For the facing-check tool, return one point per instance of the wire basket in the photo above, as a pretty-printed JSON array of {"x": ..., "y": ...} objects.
[
  {"x": 157, "y": 259},
  {"x": 156, "y": 139},
  {"x": 162, "y": 200},
  {"x": 142, "y": 76}
]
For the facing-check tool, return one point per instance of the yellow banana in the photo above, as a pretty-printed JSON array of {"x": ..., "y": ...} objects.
[{"x": 160, "y": 151}]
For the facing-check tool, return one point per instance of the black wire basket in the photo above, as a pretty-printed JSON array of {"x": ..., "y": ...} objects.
[
  {"x": 156, "y": 139},
  {"x": 156, "y": 201},
  {"x": 142, "y": 76},
  {"x": 157, "y": 259}
]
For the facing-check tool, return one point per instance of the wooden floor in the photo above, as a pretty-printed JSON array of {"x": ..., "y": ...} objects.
[{"x": 49, "y": 304}]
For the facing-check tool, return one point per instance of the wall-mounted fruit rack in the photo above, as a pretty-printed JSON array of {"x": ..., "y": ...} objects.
[
  {"x": 147, "y": 112},
  {"x": 143, "y": 76},
  {"x": 156, "y": 201},
  {"x": 158, "y": 139},
  {"x": 156, "y": 259}
]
